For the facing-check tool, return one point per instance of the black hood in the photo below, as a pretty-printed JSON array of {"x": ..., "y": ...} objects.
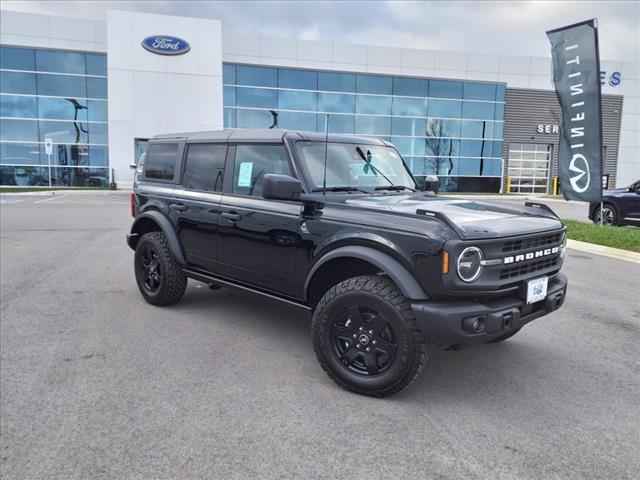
[{"x": 471, "y": 219}]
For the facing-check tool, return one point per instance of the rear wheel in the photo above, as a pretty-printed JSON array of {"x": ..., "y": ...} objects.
[
  {"x": 366, "y": 337},
  {"x": 159, "y": 276},
  {"x": 608, "y": 213}
]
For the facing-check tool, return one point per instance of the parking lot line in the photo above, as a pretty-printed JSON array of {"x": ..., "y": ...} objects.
[{"x": 50, "y": 198}]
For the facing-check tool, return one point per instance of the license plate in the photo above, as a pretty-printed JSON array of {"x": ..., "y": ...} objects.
[{"x": 537, "y": 289}]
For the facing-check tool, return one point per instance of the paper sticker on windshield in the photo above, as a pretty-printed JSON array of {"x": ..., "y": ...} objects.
[{"x": 244, "y": 176}]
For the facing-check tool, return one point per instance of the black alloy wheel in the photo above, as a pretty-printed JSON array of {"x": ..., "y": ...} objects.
[
  {"x": 151, "y": 267},
  {"x": 363, "y": 340}
]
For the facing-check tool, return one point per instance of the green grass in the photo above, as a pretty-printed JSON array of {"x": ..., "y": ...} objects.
[
  {"x": 45, "y": 189},
  {"x": 626, "y": 238}
]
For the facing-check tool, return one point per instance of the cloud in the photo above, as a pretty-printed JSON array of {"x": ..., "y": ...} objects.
[{"x": 515, "y": 28}]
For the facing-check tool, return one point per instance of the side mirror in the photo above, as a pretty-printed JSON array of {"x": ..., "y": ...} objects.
[
  {"x": 428, "y": 183},
  {"x": 281, "y": 187},
  {"x": 133, "y": 166}
]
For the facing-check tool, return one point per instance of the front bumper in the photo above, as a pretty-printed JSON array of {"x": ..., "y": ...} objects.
[{"x": 443, "y": 322}]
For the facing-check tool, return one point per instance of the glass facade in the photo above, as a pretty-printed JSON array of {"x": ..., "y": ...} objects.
[
  {"x": 58, "y": 97},
  {"x": 444, "y": 127}
]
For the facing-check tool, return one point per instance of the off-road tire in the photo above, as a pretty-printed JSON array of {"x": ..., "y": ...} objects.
[
  {"x": 381, "y": 294},
  {"x": 173, "y": 281},
  {"x": 504, "y": 337}
]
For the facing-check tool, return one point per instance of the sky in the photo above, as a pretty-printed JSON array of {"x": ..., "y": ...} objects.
[{"x": 500, "y": 27}]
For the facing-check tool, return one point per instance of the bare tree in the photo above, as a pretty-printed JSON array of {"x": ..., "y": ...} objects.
[{"x": 438, "y": 143}]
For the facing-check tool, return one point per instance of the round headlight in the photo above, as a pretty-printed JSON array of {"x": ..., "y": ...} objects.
[{"x": 470, "y": 264}]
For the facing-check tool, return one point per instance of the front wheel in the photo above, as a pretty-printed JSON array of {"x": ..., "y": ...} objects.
[
  {"x": 159, "y": 276},
  {"x": 366, "y": 337}
]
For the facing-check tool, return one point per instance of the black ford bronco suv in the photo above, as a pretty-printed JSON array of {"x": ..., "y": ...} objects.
[{"x": 337, "y": 225}]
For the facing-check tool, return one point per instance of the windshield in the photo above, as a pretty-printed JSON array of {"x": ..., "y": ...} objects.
[{"x": 353, "y": 165}]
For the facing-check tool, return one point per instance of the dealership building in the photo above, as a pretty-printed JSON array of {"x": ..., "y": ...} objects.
[{"x": 85, "y": 95}]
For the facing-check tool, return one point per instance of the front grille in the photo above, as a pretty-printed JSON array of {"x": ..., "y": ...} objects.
[
  {"x": 532, "y": 242},
  {"x": 528, "y": 268}
]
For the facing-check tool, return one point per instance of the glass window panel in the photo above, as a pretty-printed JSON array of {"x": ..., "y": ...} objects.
[
  {"x": 442, "y": 147},
  {"x": 497, "y": 149},
  {"x": 62, "y": 108},
  {"x": 254, "y": 119},
  {"x": 80, "y": 177},
  {"x": 499, "y": 113},
  {"x": 19, "y": 130},
  {"x": 297, "y": 121},
  {"x": 444, "y": 108},
  {"x": 96, "y": 87},
  {"x": 409, "y": 146},
  {"x": 409, "y": 126},
  {"x": 413, "y": 87},
  {"x": 17, "y": 58},
  {"x": 97, "y": 110},
  {"x": 479, "y": 91},
  {"x": 13, "y": 82},
  {"x": 98, "y": 133},
  {"x": 373, "y": 104},
  {"x": 336, "y": 82},
  {"x": 229, "y": 96},
  {"x": 476, "y": 148},
  {"x": 497, "y": 130},
  {"x": 437, "y": 127},
  {"x": 23, "y": 153},
  {"x": 336, "y": 102},
  {"x": 301, "y": 79},
  {"x": 501, "y": 91},
  {"x": 445, "y": 89},
  {"x": 255, "y": 161},
  {"x": 61, "y": 85},
  {"x": 414, "y": 107},
  {"x": 374, "y": 84},
  {"x": 478, "y": 110},
  {"x": 64, "y": 132},
  {"x": 337, "y": 123},
  {"x": 229, "y": 118},
  {"x": 205, "y": 167},
  {"x": 472, "y": 129},
  {"x": 18, "y": 106},
  {"x": 468, "y": 166},
  {"x": 161, "y": 161},
  {"x": 257, "y": 76},
  {"x": 98, "y": 156},
  {"x": 295, "y": 100},
  {"x": 373, "y": 125},
  {"x": 228, "y": 74},
  {"x": 23, "y": 176},
  {"x": 66, "y": 154},
  {"x": 62, "y": 62},
  {"x": 257, "y": 97},
  {"x": 96, "y": 64}
]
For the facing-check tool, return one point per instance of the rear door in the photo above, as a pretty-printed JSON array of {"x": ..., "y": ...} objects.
[
  {"x": 196, "y": 203},
  {"x": 258, "y": 237}
]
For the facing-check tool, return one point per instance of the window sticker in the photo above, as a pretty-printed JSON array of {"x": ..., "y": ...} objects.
[{"x": 244, "y": 176}]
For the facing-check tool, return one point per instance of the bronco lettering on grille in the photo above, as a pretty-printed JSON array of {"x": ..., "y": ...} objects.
[{"x": 531, "y": 255}]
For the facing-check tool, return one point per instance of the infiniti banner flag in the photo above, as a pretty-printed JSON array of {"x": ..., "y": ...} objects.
[{"x": 576, "y": 67}]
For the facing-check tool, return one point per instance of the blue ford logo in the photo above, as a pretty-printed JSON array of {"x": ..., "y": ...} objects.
[{"x": 166, "y": 45}]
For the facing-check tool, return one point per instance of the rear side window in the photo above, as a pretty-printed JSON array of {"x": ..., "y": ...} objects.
[
  {"x": 253, "y": 162},
  {"x": 205, "y": 167},
  {"x": 161, "y": 161}
]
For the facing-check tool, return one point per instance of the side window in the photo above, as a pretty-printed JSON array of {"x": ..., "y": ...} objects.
[
  {"x": 161, "y": 161},
  {"x": 205, "y": 167},
  {"x": 253, "y": 162}
]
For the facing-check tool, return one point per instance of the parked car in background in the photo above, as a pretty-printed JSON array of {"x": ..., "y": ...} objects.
[{"x": 620, "y": 206}]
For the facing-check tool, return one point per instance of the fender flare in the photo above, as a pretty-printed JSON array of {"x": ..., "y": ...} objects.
[
  {"x": 403, "y": 279},
  {"x": 167, "y": 229}
]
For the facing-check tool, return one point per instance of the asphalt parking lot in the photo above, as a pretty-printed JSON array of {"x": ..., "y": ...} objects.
[{"x": 97, "y": 384}]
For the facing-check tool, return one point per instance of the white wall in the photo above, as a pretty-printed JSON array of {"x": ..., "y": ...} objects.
[
  {"x": 151, "y": 94},
  {"x": 515, "y": 71}
]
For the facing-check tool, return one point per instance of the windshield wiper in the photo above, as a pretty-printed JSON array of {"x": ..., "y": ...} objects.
[
  {"x": 395, "y": 188},
  {"x": 339, "y": 189}
]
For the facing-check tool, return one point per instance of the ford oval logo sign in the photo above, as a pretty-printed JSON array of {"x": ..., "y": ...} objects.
[{"x": 166, "y": 45}]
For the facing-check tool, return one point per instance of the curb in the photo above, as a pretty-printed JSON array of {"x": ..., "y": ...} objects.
[
  {"x": 594, "y": 249},
  {"x": 64, "y": 192}
]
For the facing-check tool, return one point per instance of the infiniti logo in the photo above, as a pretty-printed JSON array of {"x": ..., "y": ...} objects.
[
  {"x": 531, "y": 255},
  {"x": 580, "y": 166}
]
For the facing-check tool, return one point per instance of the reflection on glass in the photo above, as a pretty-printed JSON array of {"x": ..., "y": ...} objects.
[
  {"x": 18, "y": 106},
  {"x": 336, "y": 102}
]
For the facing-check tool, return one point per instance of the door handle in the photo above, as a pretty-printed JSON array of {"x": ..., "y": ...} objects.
[
  {"x": 178, "y": 207},
  {"x": 233, "y": 216}
]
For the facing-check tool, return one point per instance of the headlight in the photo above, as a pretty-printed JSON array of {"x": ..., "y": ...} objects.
[
  {"x": 563, "y": 245},
  {"x": 470, "y": 264}
]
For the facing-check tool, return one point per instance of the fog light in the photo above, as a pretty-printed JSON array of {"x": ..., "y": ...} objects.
[{"x": 473, "y": 324}]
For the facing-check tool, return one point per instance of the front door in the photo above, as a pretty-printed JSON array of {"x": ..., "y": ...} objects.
[
  {"x": 196, "y": 204},
  {"x": 258, "y": 237}
]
